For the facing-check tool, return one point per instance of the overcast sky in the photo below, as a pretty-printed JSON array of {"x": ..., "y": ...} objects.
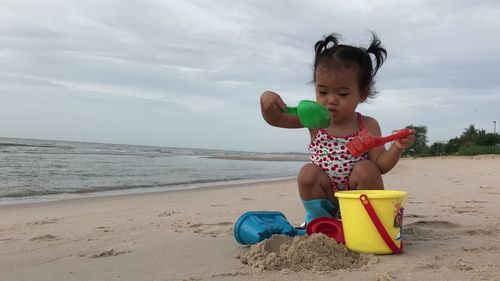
[{"x": 190, "y": 73}]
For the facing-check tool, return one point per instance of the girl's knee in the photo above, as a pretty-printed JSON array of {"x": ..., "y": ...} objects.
[
  {"x": 312, "y": 182},
  {"x": 366, "y": 167},
  {"x": 309, "y": 175},
  {"x": 366, "y": 175}
]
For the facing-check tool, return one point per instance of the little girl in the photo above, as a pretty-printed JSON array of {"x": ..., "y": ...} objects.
[{"x": 343, "y": 78}]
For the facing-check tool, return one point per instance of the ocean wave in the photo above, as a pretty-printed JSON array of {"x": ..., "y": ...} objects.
[
  {"x": 97, "y": 189},
  {"x": 57, "y": 169}
]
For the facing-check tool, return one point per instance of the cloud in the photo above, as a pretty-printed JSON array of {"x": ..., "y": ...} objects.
[{"x": 188, "y": 65}]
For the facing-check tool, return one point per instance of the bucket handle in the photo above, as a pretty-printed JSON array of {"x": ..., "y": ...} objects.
[{"x": 378, "y": 224}]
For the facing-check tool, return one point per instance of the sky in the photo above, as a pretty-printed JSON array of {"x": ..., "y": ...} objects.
[{"x": 190, "y": 73}]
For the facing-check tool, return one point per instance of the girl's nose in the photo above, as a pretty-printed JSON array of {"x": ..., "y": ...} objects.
[{"x": 333, "y": 100}]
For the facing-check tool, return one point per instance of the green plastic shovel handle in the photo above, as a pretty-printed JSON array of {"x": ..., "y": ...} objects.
[{"x": 292, "y": 110}]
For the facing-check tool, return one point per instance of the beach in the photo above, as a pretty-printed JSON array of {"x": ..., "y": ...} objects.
[{"x": 451, "y": 231}]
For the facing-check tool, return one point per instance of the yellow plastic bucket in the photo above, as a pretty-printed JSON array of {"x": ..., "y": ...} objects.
[{"x": 361, "y": 231}]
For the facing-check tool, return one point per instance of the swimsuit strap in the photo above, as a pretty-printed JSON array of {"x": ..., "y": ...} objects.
[{"x": 361, "y": 124}]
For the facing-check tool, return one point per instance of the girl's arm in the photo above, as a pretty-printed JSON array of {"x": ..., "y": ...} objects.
[
  {"x": 273, "y": 110},
  {"x": 387, "y": 159}
]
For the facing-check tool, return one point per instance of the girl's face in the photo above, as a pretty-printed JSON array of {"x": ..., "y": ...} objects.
[{"x": 338, "y": 90}]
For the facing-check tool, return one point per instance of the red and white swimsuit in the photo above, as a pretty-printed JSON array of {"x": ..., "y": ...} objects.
[{"x": 331, "y": 154}]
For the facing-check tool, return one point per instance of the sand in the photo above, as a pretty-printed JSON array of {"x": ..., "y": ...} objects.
[
  {"x": 303, "y": 253},
  {"x": 451, "y": 232}
]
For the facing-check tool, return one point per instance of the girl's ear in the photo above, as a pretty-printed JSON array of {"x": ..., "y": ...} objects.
[{"x": 363, "y": 94}]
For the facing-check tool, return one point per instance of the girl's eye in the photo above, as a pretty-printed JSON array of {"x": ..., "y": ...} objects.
[
  {"x": 343, "y": 94},
  {"x": 322, "y": 92}
]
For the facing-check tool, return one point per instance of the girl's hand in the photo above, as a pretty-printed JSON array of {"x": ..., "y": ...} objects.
[
  {"x": 273, "y": 110},
  {"x": 272, "y": 104},
  {"x": 406, "y": 142}
]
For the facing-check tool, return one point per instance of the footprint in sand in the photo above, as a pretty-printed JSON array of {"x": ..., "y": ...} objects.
[
  {"x": 230, "y": 274},
  {"x": 413, "y": 216},
  {"x": 168, "y": 213},
  {"x": 436, "y": 224},
  {"x": 478, "y": 250},
  {"x": 205, "y": 229},
  {"x": 385, "y": 277},
  {"x": 42, "y": 222},
  {"x": 9, "y": 239},
  {"x": 431, "y": 263},
  {"x": 103, "y": 229},
  {"x": 466, "y": 209},
  {"x": 46, "y": 237},
  {"x": 192, "y": 279},
  {"x": 460, "y": 265},
  {"x": 412, "y": 233},
  {"x": 492, "y": 192},
  {"x": 211, "y": 229},
  {"x": 108, "y": 253},
  {"x": 218, "y": 205},
  {"x": 480, "y": 232},
  {"x": 426, "y": 230},
  {"x": 476, "y": 201},
  {"x": 438, "y": 262},
  {"x": 178, "y": 227},
  {"x": 456, "y": 181}
]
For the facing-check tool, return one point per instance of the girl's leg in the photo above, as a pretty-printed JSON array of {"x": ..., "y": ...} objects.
[
  {"x": 316, "y": 193},
  {"x": 366, "y": 175},
  {"x": 314, "y": 183}
]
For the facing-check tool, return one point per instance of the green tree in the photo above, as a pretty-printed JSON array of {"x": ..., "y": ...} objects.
[
  {"x": 474, "y": 142},
  {"x": 469, "y": 136},
  {"x": 487, "y": 139},
  {"x": 452, "y": 146},
  {"x": 419, "y": 147},
  {"x": 437, "y": 149}
]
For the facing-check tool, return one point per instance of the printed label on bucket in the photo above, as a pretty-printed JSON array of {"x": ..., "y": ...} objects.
[{"x": 398, "y": 217}]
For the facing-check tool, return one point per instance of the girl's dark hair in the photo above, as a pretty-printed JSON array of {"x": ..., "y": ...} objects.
[{"x": 328, "y": 51}]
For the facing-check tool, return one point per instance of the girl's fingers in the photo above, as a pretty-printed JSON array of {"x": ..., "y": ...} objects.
[{"x": 281, "y": 104}]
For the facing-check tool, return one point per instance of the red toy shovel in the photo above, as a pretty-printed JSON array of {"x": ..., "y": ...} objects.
[{"x": 364, "y": 141}]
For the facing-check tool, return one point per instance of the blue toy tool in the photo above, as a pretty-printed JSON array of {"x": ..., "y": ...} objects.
[{"x": 255, "y": 226}]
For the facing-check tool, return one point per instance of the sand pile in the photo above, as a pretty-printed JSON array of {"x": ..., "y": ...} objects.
[{"x": 316, "y": 252}]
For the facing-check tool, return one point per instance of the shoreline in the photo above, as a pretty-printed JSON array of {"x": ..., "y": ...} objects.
[
  {"x": 289, "y": 158},
  {"x": 129, "y": 197},
  {"x": 136, "y": 191},
  {"x": 8, "y": 201}
]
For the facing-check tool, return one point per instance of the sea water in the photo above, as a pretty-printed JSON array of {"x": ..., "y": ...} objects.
[{"x": 40, "y": 170}]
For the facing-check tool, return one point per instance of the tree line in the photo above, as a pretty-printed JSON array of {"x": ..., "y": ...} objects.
[{"x": 471, "y": 142}]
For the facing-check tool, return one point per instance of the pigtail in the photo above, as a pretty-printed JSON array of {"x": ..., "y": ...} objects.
[
  {"x": 325, "y": 48},
  {"x": 322, "y": 45},
  {"x": 378, "y": 52},
  {"x": 319, "y": 47}
]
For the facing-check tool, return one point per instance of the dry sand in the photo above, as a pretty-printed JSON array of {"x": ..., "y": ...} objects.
[{"x": 451, "y": 232}]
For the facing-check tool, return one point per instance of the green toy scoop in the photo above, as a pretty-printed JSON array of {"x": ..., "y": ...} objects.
[{"x": 311, "y": 114}]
